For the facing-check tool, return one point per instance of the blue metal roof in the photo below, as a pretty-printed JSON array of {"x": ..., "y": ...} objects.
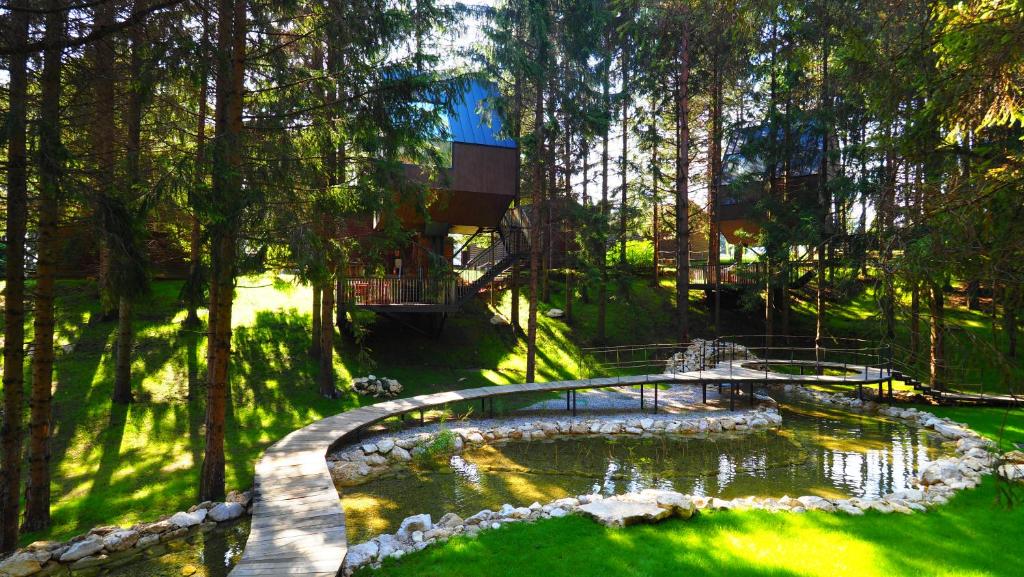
[{"x": 474, "y": 121}]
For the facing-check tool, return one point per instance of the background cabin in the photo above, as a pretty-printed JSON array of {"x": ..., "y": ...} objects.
[{"x": 472, "y": 196}]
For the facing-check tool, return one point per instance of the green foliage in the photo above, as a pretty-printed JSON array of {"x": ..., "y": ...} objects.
[
  {"x": 639, "y": 255},
  {"x": 435, "y": 453}
]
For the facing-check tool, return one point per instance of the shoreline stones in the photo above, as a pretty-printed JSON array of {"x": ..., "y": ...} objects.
[
  {"x": 937, "y": 482},
  {"x": 357, "y": 464},
  {"x": 109, "y": 545}
]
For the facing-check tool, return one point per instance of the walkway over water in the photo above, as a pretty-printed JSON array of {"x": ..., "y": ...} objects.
[{"x": 298, "y": 525}]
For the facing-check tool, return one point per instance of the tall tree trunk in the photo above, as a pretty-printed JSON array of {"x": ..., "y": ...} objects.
[
  {"x": 824, "y": 202},
  {"x": 714, "y": 184},
  {"x": 886, "y": 237},
  {"x": 103, "y": 136},
  {"x": 325, "y": 376},
  {"x": 14, "y": 293},
  {"x": 227, "y": 187},
  {"x": 195, "y": 252},
  {"x": 682, "y": 188},
  {"x": 602, "y": 256},
  {"x": 51, "y": 155},
  {"x": 314, "y": 347},
  {"x": 915, "y": 322},
  {"x": 655, "y": 199},
  {"x": 567, "y": 224},
  {"x": 123, "y": 357},
  {"x": 537, "y": 210},
  {"x": 937, "y": 325},
  {"x": 133, "y": 151},
  {"x": 624, "y": 160},
  {"x": 770, "y": 256},
  {"x": 549, "y": 193},
  {"x": 1011, "y": 304},
  {"x": 514, "y": 288}
]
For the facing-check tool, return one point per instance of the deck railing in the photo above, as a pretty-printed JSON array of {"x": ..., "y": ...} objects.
[{"x": 363, "y": 291}]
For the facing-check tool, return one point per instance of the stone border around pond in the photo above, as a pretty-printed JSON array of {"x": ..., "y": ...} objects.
[
  {"x": 974, "y": 457},
  {"x": 373, "y": 459},
  {"x": 108, "y": 547}
]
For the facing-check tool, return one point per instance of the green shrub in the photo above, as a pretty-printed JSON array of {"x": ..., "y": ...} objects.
[{"x": 639, "y": 254}]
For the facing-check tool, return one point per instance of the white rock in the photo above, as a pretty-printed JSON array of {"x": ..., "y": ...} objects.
[
  {"x": 941, "y": 471},
  {"x": 21, "y": 564},
  {"x": 369, "y": 448},
  {"x": 450, "y": 521},
  {"x": 478, "y": 518},
  {"x": 617, "y": 513},
  {"x": 558, "y": 512},
  {"x": 361, "y": 554},
  {"x": 384, "y": 446},
  {"x": 118, "y": 541},
  {"x": 387, "y": 545},
  {"x": 679, "y": 504},
  {"x": 412, "y": 524},
  {"x": 1012, "y": 471},
  {"x": 499, "y": 321},
  {"x": 226, "y": 511},
  {"x": 89, "y": 546},
  {"x": 417, "y": 536},
  {"x": 182, "y": 519},
  {"x": 399, "y": 454},
  {"x": 555, "y": 313},
  {"x": 811, "y": 502}
]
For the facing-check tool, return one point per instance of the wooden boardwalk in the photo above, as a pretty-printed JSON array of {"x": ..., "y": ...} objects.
[{"x": 298, "y": 525}]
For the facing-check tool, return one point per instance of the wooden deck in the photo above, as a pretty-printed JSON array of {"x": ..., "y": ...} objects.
[{"x": 298, "y": 525}]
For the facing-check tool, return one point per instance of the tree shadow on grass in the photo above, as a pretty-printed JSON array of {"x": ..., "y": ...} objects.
[
  {"x": 274, "y": 388},
  {"x": 949, "y": 541},
  {"x": 967, "y": 537}
]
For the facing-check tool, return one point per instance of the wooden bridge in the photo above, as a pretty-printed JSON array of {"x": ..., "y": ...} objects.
[{"x": 298, "y": 524}]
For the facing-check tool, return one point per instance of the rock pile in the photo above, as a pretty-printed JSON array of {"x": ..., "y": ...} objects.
[
  {"x": 110, "y": 546},
  {"x": 703, "y": 354},
  {"x": 378, "y": 387},
  {"x": 357, "y": 464}
]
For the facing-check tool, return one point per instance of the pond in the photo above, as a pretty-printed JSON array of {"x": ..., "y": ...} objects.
[
  {"x": 817, "y": 452},
  {"x": 210, "y": 554}
]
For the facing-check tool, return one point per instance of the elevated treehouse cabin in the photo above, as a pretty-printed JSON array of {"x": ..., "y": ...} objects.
[
  {"x": 473, "y": 196},
  {"x": 747, "y": 192}
]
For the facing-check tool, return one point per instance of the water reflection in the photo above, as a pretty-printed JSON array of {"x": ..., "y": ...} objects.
[
  {"x": 211, "y": 554},
  {"x": 818, "y": 453}
]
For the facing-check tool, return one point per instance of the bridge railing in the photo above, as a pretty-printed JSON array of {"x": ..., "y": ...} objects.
[{"x": 839, "y": 357}]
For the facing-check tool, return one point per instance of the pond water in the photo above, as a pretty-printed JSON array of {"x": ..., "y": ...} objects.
[
  {"x": 210, "y": 554},
  {"x": 817, "y": 452}
]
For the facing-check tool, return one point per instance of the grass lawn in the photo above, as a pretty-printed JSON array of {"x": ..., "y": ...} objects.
[
  {"x": 121, "y": 465},
  {"x": 975, "y": 344},
  {"x": 124, "y": 464},
  {"x": 973, "y": 536}
]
